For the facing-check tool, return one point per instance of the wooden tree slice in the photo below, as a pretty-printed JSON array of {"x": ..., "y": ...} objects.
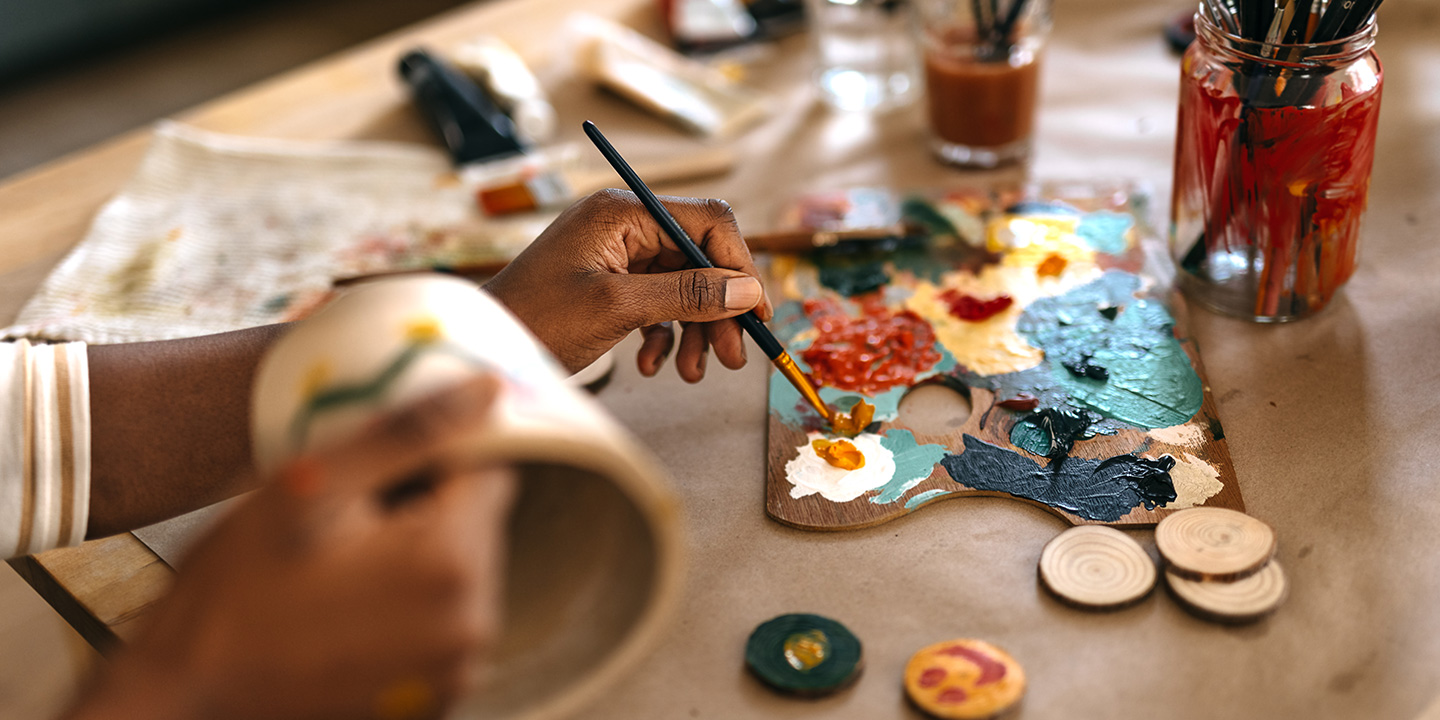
[
  {"x": 1236, "y": 601},
  {"x": 964, "y": 680},
  {"x": 803, "y": 654},
  {"x": 1097, "y": 567},
  {"x": 1208, "y": 543}
]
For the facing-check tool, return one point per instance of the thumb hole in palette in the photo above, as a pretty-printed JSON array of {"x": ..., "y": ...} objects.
[{"x": 934, "y": 408}]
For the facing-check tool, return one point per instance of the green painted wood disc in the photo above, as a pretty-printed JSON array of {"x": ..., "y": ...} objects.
[{"x": 803, "y": 654}]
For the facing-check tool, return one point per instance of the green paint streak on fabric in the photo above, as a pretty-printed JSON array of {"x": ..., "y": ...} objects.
[
  {"x": 913, "y": 464},
  {"x": 1151, "y": 383},
  {"x": 925, "y": 497},
  {"x": 372, "y": 390},
  {"x": 1105, "y": 231}
]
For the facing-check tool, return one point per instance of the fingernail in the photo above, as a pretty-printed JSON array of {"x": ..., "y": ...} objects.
[{"x": 742, "y": 293}]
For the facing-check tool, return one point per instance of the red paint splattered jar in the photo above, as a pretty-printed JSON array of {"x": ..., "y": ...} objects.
[{"x": 1272, "y": 167}]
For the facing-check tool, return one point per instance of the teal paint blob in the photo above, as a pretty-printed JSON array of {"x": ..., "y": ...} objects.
[
  {"x": 1149, "y": 383},
  {"x": 1052, "y": 432},
  {"x": 913, "y": 464},
  {"x": 1105, "y": 231},
  {"x": 925, "y": 497}
]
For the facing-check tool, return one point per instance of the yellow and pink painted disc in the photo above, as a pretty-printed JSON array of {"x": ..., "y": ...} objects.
[{"x": 964, "y": 680}]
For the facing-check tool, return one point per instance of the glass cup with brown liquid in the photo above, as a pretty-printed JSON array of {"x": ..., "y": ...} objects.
[{"x": 982, "y": 76}]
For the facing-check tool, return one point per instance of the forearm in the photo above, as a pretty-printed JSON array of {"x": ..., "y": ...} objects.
[{"x": 170, "y": 425}]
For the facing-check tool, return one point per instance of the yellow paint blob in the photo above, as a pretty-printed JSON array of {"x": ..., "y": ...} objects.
[
  {"x": 423, "y": 330},
  {"x": 806, "y": 650},
  {"x": 854, "y": 422},
  {"x": 990, "y": 346},
  {"x": 839, "y": 453},
  {"x": 1029, "y": 242}
]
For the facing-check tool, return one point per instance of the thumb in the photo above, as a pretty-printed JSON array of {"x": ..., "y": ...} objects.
[{"x": 700, "y": 295}]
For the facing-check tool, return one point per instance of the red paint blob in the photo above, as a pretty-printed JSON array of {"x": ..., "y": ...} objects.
[
  {"x": 1021, "y": 403},
  {"x": 991, "y": 670},
  {"x": 871, "y": 353},
  {"x": 953, "y": 695},
  {"x": 973, "y": 309},
  {"x": 932, "y": 677}
]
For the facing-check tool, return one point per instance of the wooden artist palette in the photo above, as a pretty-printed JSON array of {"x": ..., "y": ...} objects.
[{"x": 1071, "y": 384}]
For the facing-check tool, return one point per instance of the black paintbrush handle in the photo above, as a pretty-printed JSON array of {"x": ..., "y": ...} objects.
[
  {"x": 1341, "y": 18},
  {"x": 692, "y": 252}
]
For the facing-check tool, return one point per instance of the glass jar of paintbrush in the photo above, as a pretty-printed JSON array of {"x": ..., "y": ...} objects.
[
  {"x": 1276, "y": 137},
  {"x": 982, "y": 76}
]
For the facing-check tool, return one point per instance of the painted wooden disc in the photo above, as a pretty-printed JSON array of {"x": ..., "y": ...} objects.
[
  {"x": 964, "y": 680},
  {"x": 1097, "y": 567},
  {"x": 804, "y": 654},
  {"x": 1249, "y": 598},
  {"x": 1208, "y": 543}
]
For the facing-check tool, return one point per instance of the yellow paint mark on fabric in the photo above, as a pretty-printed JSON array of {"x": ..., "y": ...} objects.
[
  {"x": 423, "y": 330},
  {"x": 316, "y": 379},
  {"x": 1195, "y": 482}
]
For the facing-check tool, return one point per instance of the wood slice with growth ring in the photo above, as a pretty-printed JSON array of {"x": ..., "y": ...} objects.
[
  {"x": 1236, "y": 601},
  {"x": 1097, "y": 568},
  {"x": 964, "y": 680},
  {"x": 1214, "y": 543},
  {"x": 802, "y": 654}
]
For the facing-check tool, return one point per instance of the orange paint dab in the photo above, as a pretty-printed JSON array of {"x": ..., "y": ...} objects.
[
  {"x": 1051, "y": 266},
  {"x": 839, "y": 453}
]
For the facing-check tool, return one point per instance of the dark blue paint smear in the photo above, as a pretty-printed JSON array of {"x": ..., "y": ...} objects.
[{"x": 1100, "y": 490}]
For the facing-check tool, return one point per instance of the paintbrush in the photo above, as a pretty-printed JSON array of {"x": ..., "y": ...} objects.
[{"x": 749, "y": 321}]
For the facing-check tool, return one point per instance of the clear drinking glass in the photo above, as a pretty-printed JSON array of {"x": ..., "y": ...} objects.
[
  {"x": 1272, "y": 170},
  {"x": 864, "y": 59},
  {"x": 982, "y": 76}
]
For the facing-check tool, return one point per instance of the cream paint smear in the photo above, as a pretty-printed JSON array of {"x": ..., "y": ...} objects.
[
  {"x": 1195, "y": 482},
  {"x": 1187, "y": 435},
  {"x": 809, "y": 473}
]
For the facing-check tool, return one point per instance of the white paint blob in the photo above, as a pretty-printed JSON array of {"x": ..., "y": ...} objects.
[{"x": 809, "y": 473}]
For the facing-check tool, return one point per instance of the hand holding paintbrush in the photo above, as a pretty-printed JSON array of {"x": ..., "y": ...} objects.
[{"x": 749, "y": 321}]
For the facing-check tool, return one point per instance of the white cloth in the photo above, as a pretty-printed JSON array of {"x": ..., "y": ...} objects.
[
  {"x": 217, "y": 232},
  {"x": 44, "y": 446}
]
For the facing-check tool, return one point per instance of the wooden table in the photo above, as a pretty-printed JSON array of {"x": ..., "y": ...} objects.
[{"x": 1331, "y": 421}]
